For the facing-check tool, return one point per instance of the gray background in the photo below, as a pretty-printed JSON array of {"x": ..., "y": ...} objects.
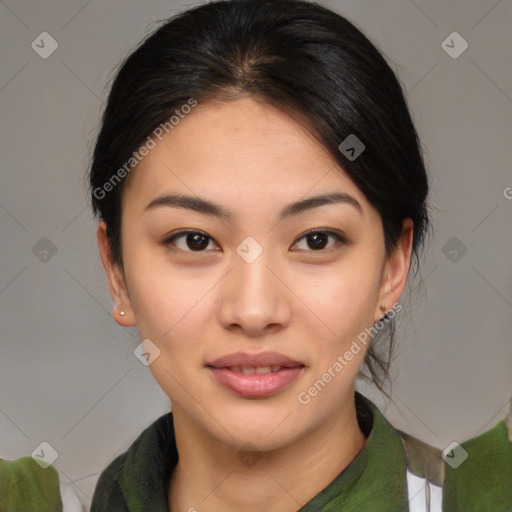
[{"x": 68, "y": 373}]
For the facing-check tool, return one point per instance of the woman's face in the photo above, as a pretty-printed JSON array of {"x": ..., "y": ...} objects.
[{"x": 250, "y": 280}]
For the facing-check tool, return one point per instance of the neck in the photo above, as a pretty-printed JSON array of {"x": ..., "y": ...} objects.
[{"x": 209, "y": 474}]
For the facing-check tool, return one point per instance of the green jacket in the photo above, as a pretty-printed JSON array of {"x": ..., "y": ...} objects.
[{"x": 378, "y": 479}]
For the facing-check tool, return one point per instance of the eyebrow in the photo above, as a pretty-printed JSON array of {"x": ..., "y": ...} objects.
[{"x": 208, "y": 207}]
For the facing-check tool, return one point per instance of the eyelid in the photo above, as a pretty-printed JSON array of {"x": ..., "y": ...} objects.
[
  {"x": 339, "y": 236},
  {"x": 170, "y": 238},
  {"x": 327, "y": 231}
]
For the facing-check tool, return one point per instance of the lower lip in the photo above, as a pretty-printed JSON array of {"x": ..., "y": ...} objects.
[{"x": 256, "y": 385}]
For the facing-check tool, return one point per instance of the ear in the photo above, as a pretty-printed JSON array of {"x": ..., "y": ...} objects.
[
  {"x": 395, "y": 271},
  {"x": 116, "y": 283}
]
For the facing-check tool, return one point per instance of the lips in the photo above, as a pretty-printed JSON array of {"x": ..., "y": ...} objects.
[
  {"x": 265, "y": 362},
  {"x": 254, "y": 376}
]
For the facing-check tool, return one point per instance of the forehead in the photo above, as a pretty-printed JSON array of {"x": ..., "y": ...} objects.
[{"x": 239, "y": 150}]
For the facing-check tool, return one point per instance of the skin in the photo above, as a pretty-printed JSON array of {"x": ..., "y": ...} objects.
[{"x": 197, "y": 306}]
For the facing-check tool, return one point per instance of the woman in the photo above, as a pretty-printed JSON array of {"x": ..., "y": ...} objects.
[{"x": 262, "y": 197}]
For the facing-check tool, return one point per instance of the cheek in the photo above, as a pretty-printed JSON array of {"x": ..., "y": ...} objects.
[
  {"x": 154, "y": 291},
  {"x": 172, "y": 304},
  {"x": 172, "y": 310},
  {"x": 167, "y": 301},
  {"x": 345, "y": 297}
]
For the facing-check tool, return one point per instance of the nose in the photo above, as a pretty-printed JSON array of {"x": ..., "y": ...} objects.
[{"x": 254, "y": 300}]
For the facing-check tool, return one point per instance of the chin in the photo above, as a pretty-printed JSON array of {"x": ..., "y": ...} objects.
[{"x": 257, "y": 423}]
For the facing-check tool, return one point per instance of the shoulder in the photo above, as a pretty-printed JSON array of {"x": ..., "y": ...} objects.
[
  {"x": 478, "y": 472},
  {"x": 144, "y": 460},
  {"x": 475, "y": 474},
  {"x": 26, "y": 484},
  {"x": 107, "y": 494}
]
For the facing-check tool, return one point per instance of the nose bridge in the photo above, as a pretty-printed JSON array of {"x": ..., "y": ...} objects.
[
  {"x": 254, "y": 284},
  {"x": 252, "y": 297}
]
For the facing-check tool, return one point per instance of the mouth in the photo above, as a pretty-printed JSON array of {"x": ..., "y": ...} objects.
[
  {"x": 256, "y": 381},
  {"x": 264, "y": 362},
  {"x": 255, "y": 375},
  {"x": 259, "y": 370}
]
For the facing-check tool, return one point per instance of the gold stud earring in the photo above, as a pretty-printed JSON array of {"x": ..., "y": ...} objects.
[
  {"x": 121, "y": 312},
  {"x": 383, "y": 309}
]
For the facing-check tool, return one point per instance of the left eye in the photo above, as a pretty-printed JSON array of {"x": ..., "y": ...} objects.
[
  {"x": 318, "y": 240},
  {"x": 196, "y": 241}
]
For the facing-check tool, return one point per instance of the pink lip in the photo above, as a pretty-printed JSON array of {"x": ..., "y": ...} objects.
[
  {"x": 257, "y": 385},
  {"x": 246, "y": 359}
]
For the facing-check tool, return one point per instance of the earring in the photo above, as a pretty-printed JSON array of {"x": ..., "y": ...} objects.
[
  {"x": 121, "y": 312},
  {"x": 383, "y": 309}
]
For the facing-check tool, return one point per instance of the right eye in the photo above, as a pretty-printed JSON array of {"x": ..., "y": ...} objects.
[{"x": 189, "y": 241}]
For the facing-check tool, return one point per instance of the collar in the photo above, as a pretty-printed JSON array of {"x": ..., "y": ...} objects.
[{"x": 375, "y": 478}]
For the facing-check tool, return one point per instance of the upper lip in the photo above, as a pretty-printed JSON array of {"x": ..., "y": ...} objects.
[{"x": 261, "y": 359}]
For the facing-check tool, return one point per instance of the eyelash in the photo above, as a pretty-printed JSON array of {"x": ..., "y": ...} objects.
[{"x": 339, "y": 238}]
